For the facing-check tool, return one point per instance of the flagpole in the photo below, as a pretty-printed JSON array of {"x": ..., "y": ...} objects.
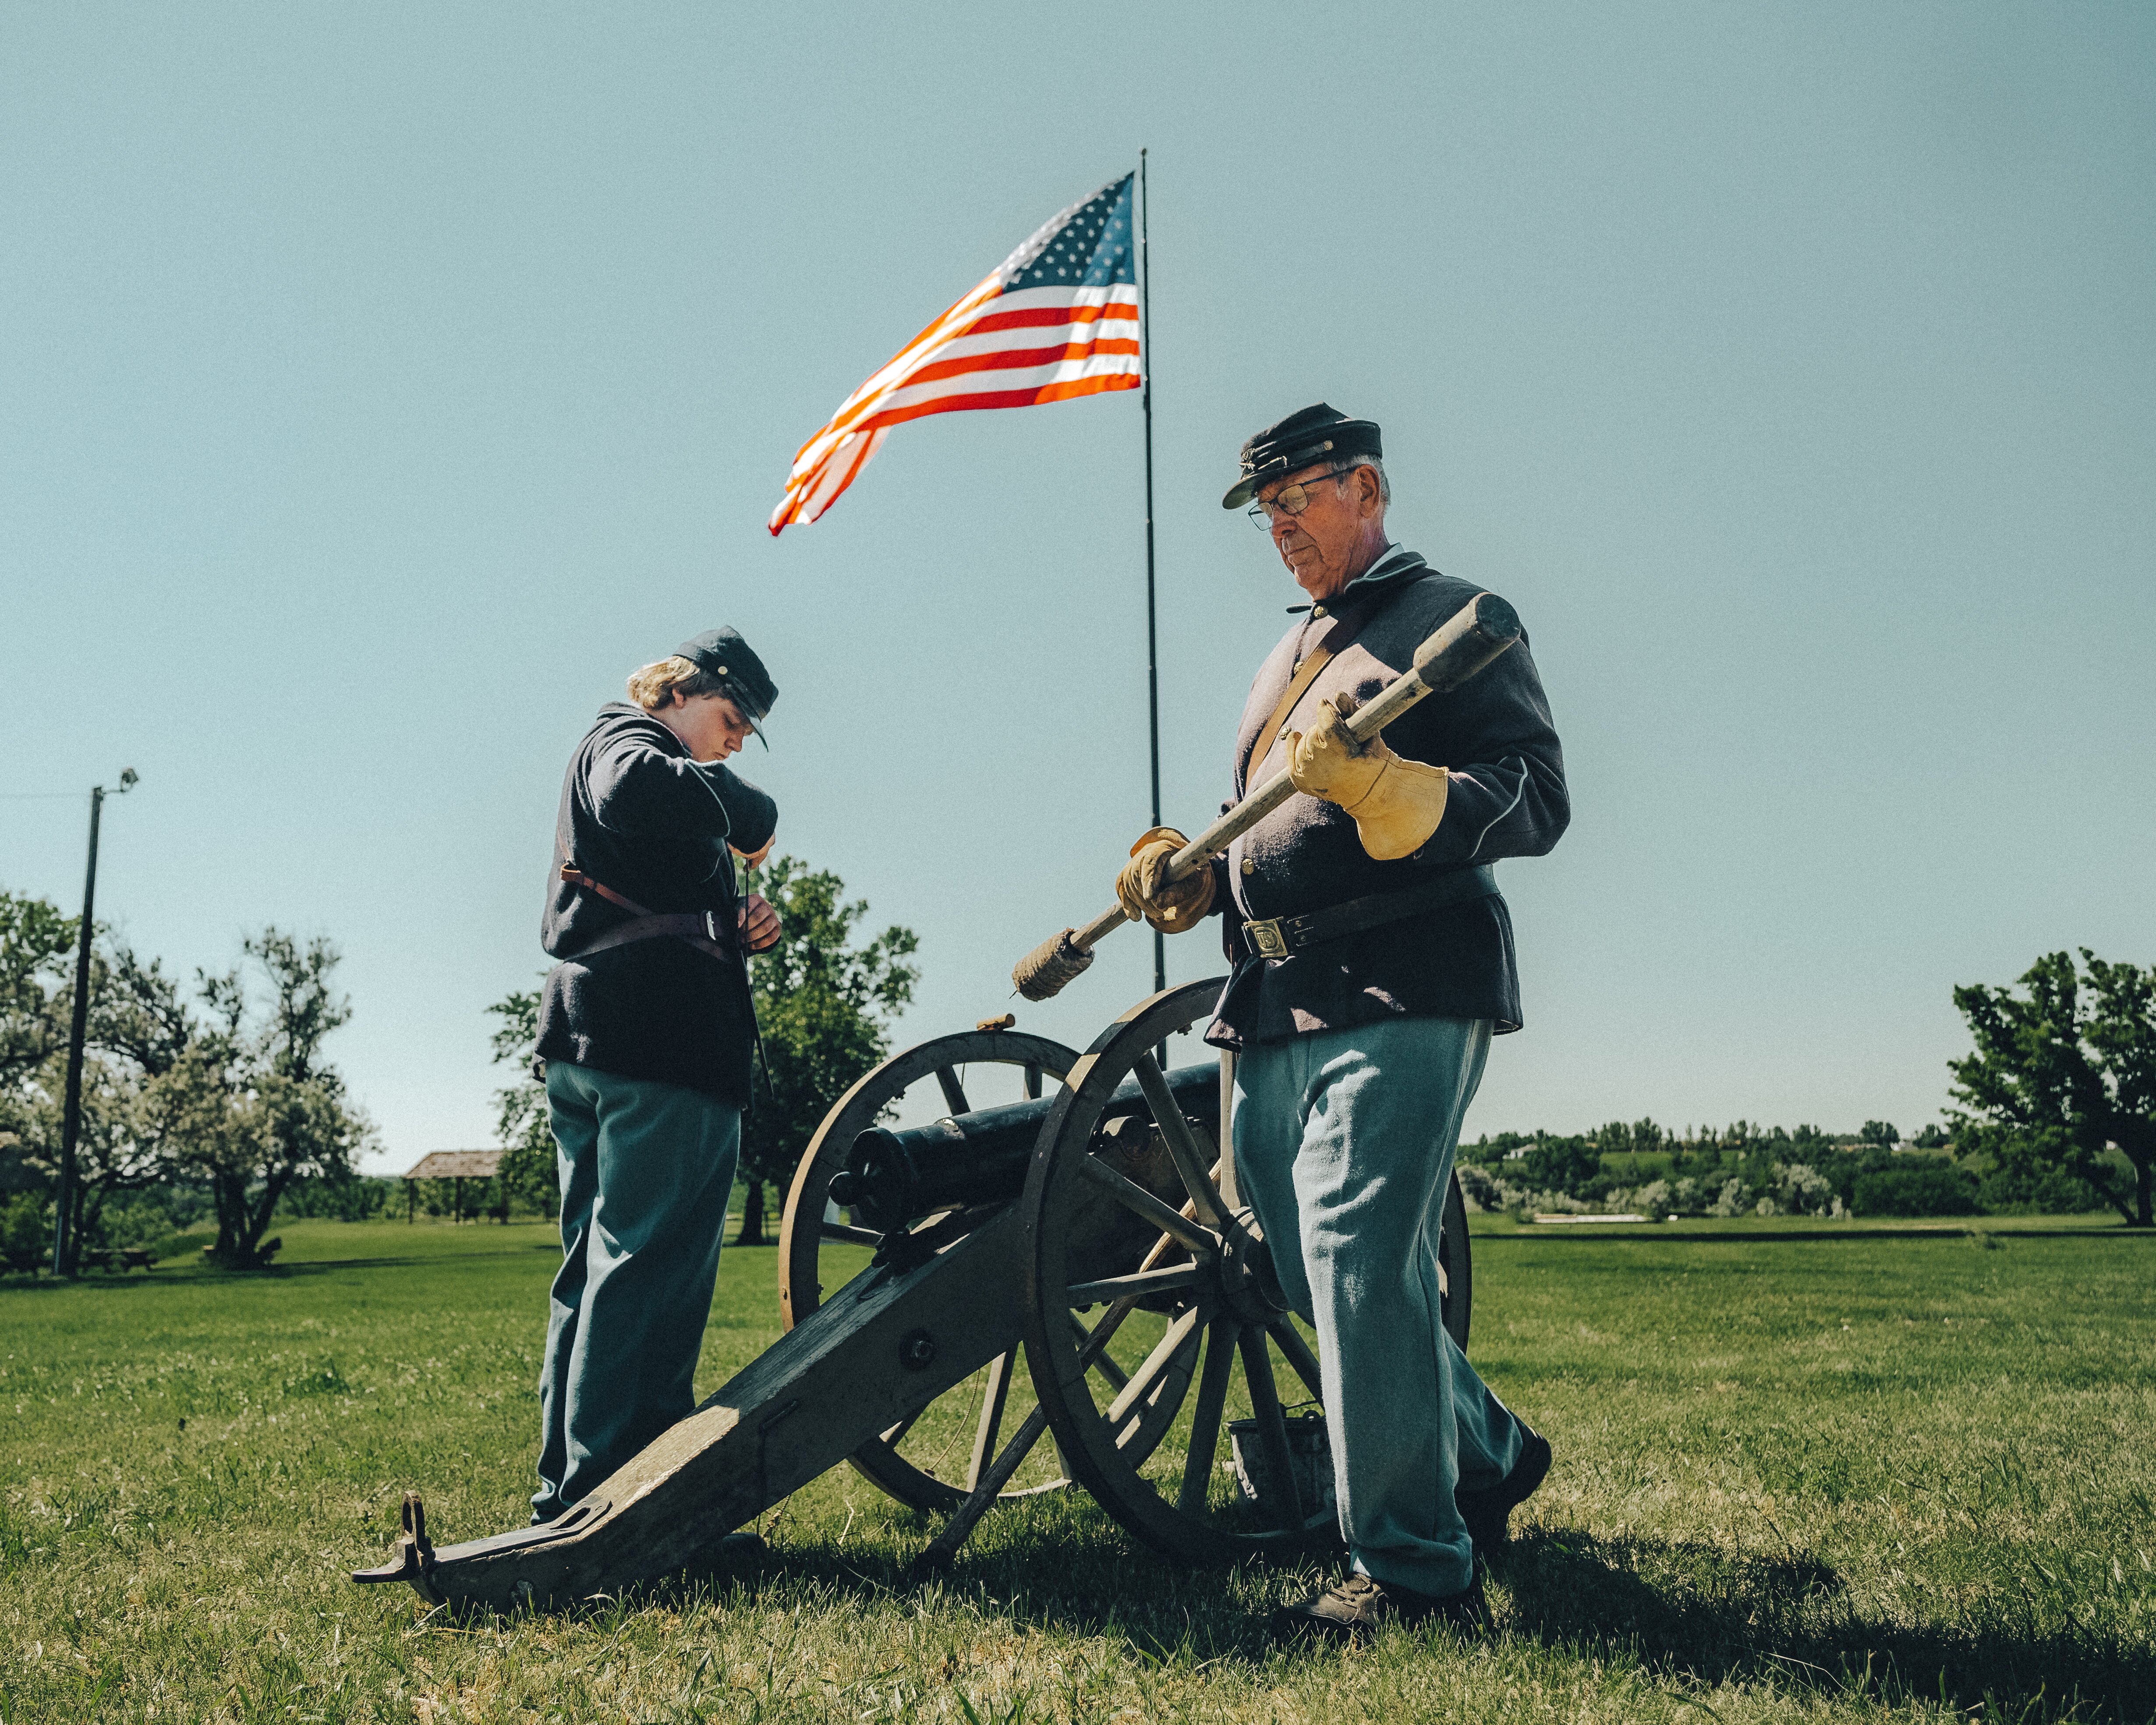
[{"x": 1152, "y": 631}]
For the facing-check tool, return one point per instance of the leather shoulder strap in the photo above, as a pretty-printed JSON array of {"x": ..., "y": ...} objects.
[
  {"x": 1297, "y": 685},
  {"x": 1342, "y": 629},
  {"x": 577, "y": 877}
]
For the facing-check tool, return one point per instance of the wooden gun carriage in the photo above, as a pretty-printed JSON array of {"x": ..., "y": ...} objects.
[{"x": 1093, "y": 1228}]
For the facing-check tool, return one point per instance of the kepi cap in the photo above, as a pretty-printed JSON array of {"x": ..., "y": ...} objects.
[
  {"x": 723, "y": 654},
  {"x": 1302, "y": 440}
]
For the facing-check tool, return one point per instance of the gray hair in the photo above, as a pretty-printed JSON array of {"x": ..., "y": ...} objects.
[{"x": 1343, "y": 469}]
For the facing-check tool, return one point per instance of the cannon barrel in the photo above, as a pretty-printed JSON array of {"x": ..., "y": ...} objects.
[{"x": 892, "y": 1178}]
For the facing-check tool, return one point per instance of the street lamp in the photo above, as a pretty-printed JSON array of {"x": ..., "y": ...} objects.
[{"x": 66, "y": 1248}]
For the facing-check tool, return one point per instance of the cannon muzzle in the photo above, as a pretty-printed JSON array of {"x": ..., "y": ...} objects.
[{"x": 893, "y": 1178}]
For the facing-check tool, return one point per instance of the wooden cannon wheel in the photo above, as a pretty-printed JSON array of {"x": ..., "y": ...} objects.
[
  {"x": 804, "y": 1237},
  {"x": 1209, "y": 1277}
]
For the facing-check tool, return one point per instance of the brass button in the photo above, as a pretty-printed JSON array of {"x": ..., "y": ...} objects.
[
  {"x": 1317, "y": 611},
  {"x": 1249, "y": 866}
]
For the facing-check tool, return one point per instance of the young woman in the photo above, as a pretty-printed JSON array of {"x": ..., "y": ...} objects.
[{"x": 646, "y": 1033}]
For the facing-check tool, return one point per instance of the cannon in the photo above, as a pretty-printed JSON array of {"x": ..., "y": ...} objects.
[
  {"x": 1096, "y": 1230},
  {"x": 980, "y": 1156},
  {"x": 1093, "y": 1228}
]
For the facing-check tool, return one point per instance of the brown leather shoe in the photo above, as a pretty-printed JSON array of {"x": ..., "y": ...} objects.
[
  {"x": 1487, "y": 1510},
  {"x": 1357, "y": 1606}
]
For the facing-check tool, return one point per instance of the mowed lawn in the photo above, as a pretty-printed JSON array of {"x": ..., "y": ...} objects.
[{"x": 1800, "y": 1472}]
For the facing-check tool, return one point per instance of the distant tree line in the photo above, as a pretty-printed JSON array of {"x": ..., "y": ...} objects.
[
  {"x": 213, "y": 1099},
  {"x": 1742, "y": 1169},
  {"x": 2056, "y": 1115}
]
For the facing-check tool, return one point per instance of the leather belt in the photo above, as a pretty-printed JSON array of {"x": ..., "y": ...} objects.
[
  {"x": 698, "y": 929},
  {"x": 693, "y": 928},
  {"x": 1277, "y": 936}
]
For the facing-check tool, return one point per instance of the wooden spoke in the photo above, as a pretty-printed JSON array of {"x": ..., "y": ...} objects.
[
  {"x": 954, "y": 1095},
  {"x": 1134, "y": 1197},
  {"x": 1272, "y": 1430},
  {"x": 992, "y": 1418},
  {"x": 899, "y": 1430},
  {"x": 977, "y": 1502},
  {"x": 1205, "y": 1421},
  {"x": 852, "y": 1236},
  {"x": 1167, "y": 1242},
  {"x": 1156, "y": 1363},
  {"x": 1032, "y": 1084},
  {"x": 1104, "y": 1364},
  {"x": 1146, "y": 1281},
  {"x": 1297, "y": 1351},
  {"x": 1182, "y": 1143},
  {"x": 1097, "y": 1339}
]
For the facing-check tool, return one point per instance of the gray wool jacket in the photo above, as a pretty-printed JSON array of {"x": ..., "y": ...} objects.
[{"x": 1506, "y": 798}]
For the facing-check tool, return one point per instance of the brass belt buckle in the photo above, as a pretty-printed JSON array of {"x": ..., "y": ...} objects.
[{"x": 1267, "y": 939}]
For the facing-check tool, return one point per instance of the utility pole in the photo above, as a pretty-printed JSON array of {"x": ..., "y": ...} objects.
[{"x": 66, "y": 1248}]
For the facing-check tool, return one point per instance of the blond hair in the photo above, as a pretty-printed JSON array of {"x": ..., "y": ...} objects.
[{"x": 656, "y": 685}]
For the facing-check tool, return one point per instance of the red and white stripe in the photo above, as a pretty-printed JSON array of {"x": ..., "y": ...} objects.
[{"x": 993, "y": 349}]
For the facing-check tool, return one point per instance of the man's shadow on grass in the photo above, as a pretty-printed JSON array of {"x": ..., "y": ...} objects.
[
  {"x": 1682, "y": 1609},
  {"x": 1718, "y": 1614}
]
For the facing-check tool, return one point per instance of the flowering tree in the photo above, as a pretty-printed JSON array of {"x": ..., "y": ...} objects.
[{"x": 2064, "y": 1073}]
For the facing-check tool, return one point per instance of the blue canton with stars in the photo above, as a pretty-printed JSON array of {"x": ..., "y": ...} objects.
[{"x": 1089, "y": 246}]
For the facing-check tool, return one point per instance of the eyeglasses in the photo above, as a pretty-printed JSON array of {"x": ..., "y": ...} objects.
[{"x": 1291, "y": 500}]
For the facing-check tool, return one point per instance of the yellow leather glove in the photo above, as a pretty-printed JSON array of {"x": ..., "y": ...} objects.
[
  {"x": 1397, "y": 803},
  {"x": 1174, "y": 908}
]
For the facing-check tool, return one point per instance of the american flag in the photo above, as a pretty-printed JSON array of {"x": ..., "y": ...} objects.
[{"x": 1058, "y": 318}]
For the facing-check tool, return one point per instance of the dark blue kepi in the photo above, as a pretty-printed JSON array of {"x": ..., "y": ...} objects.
[{"x": 723, "y": 654}]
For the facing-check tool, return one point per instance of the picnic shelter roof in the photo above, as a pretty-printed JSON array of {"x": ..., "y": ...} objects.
[{"x": 456, "y": 1165}]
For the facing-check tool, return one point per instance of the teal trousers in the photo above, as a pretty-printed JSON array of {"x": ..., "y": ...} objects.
[
  {"x": 1343, "y": 1147},
  {"x": 646, "y": 1169}
]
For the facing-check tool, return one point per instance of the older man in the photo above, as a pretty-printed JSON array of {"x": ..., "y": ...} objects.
[{"x": 1372, "y": 963}]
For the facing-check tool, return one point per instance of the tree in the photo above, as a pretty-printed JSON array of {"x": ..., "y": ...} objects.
[
  {"x": 825, "y": 1009},
  {"x": 1929, "y": 1188},
  {"x": 249, "y": 1103},
  {"x": 1566, "y": 1165},
  {"x": 2064, "y": 1073},
  {"x": 35, "y": 991},
  {"x": 1633, "y": 1139},
  {"x": 36, "y": 942},
  {"x": 113, "y": 1151},
  {"x": 520, "y": 1122},
  {"x": 136, "y": 1025},
  {"x": 1880, "y": 1132}
]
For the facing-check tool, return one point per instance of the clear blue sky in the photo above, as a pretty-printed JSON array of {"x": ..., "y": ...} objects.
[{"x": 381, "y": 384}]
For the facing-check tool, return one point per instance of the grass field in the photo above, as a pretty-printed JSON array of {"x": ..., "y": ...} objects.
[{"x": 1802, "y": 1472}]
